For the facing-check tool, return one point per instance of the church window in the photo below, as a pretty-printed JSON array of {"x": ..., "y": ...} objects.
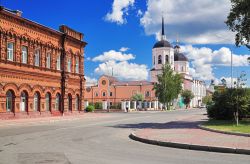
[
  {"x": 159, "y": 59},
  {"x": 166, "y": 59}
]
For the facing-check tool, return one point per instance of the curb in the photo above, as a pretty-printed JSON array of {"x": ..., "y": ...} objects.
[
  {"x": 190, "y": 146},
  {"x": 223, "y": 132}
]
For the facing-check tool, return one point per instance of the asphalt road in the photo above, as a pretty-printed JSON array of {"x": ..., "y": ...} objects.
[{"x": 100, "y": 140}]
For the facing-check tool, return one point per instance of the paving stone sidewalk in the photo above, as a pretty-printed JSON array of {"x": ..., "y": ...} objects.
[
  {"x": 186, "y": 132},
  {"x": 33, "y": 121}
]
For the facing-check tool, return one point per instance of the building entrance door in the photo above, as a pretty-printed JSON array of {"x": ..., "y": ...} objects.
[
  {"x": 23, "y": 102},
  {"x": 22, "y": 107}
]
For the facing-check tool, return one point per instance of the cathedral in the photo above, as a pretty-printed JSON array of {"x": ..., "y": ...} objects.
[{"x": 114, "y": 93}]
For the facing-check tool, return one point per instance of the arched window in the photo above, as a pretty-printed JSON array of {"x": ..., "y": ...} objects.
[
  {"x": 69, "y": 102},
  {"x": 166, "y": 59},
  {"x": 103, "y": 93},
  {"x": 147, "y": 94},
  {"x": 48, "y": 58},
  {"x": 48, "y": 102},
  {"x": 58, "y": 102},
  {"x": 24, "y": 54},
  {"x": 10, "y": 101},
  {"x": 37, "y": 58},
  {"x": 159, "y": 59},
  {"x": 24, "y": 102},
  {"x": 37, "y": 102},
  {"x": 77, "y": 103}
]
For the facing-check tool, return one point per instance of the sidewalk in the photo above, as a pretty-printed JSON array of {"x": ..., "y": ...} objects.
[
  {"x": 53, "y": 119},
  {"x": 185, "y": 134}
]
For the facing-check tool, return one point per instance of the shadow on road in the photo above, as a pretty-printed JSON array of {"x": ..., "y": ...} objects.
[{"x": 168, "y": 125}]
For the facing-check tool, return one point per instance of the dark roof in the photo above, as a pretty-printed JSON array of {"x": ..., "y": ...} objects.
[
  {"x": 162, "y": 43},
  {"x": 180, "y": 57}
]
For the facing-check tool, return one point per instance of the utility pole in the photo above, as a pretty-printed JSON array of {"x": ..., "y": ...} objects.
[{"x": 231, "y": 68}]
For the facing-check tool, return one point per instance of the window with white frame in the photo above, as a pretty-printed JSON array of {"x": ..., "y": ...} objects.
[
  {"x": 77, "y": 65},
  {"x": 10, "y": 53},
  {"x": 37, "y": 58},
  {"x": 48, "y": 60},
  {"x": 24, "y": 54},
  {"x": 69, "y": 65},
  {"x": 58, "y": 62}
]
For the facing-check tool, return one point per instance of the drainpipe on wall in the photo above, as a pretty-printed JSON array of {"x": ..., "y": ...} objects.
[{"x": 63, "y": 76}]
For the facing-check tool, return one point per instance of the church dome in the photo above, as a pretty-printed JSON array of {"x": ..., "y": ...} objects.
[
  {"x": 180, "y": 57},
  {"x": 162, "y": 43}
]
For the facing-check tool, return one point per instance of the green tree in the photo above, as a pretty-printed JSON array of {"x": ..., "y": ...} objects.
[
  {"x": 238, "y": 21},
  {"x": 168, "y": 87},
  {"x": 137, "y": 97},
  {"x": 225, "y": 104},
  {"x": 187, "y": 97},
  {"x": 207, "y": 99}
]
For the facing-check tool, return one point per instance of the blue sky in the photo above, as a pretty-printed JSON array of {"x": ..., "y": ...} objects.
[{"x": 109, "y": 25}]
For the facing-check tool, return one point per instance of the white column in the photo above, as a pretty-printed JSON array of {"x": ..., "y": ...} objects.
[
  {"x": 135, "y": 107},
  {"x": 149, "y": 104},
  {"x": 104, "y": 105},
  {"x": 145, "y": 104},
  {"x": 123, "y": 105},
  {"x": 160, "y": 104},
  {"x": 140, "y": 104},
  {"x": 86, "y": 103},
  {"x": 155, "y": 105},
  {"x": 128, "y": 105}
]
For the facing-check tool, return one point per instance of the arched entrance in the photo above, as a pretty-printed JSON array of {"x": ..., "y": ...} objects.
[
  {"x": 48, "y": 101},
  {"x": 10, "y": 101},
  {"x": 37, "y": 99},
  {"x": 24, "y": 101},
  {"x": 70, "y": 102}
]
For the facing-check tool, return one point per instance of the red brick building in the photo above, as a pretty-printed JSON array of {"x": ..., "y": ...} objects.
[{"x": 41, "y": 69}]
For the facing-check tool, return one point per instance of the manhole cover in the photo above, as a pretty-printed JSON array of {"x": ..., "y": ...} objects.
[{"x": 42, "y": 158}]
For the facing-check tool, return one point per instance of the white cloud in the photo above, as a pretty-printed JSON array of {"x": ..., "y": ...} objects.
[
  {"x": 124, "y": 49},
  {"x": 195, "y": 21},
  {"x": 117, "y": 63},
  {"x": 204, "y": 59},
  {"x": 113, "y": 55},
  {"x": 228, "y": 81},
  {"x": 123, "y": 70},
  {"x": 119, "y": 8},
  {"x": 90, "y": 81},
  {"x": 139, "y": 13}
]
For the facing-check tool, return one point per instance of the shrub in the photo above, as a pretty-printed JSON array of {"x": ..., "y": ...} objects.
[
  {"x": 116, "y": 106},
  {"x": 225, "y": 104},
  {"x": 90, "y": 108},
  {"x": 98, "y": 105}
]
